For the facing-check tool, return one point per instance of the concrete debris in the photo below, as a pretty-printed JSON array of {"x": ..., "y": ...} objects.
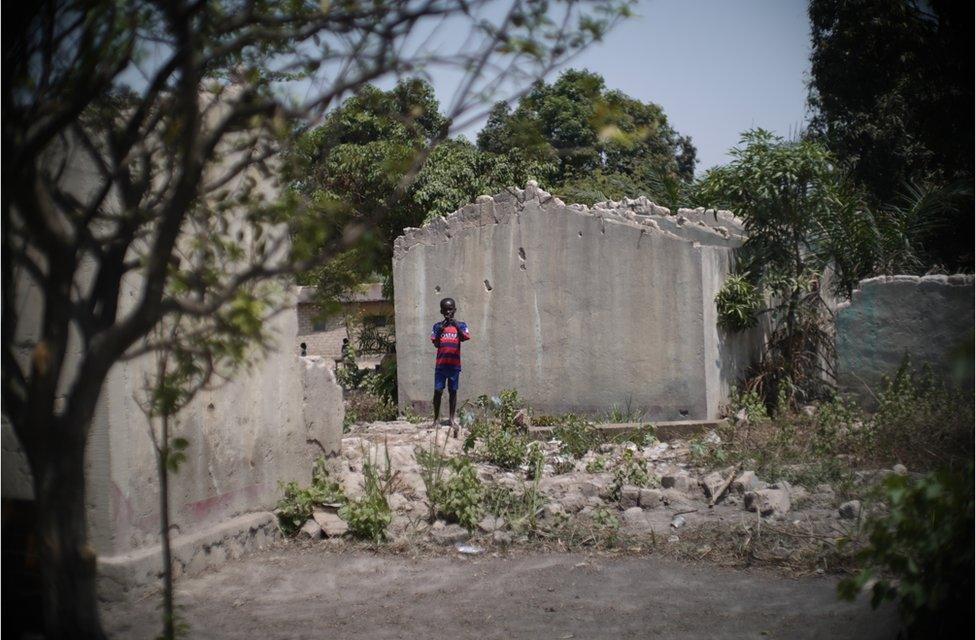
[
  {"x": 850, "y": 510},
  {"x": 747, "y": 481},
  {"x": 768, "y": 502},
  {"x": 502, "y": 537},
  {"x": 489, "y": 524},
  {"x": 310, "y": 530},
  {"x": 633, "y": 515},
  {"x": 650, "y": 498},
  {"x": 449, "y": 534},
  {"x": 679, "y": 482},
  {"x": 629, "y": 496},
  {"x": 900, "y": 470},
  {"x": 329, "y": 522}
]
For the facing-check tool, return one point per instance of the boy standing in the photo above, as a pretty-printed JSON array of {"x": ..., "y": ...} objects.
[{"x": 447, "y": 336}]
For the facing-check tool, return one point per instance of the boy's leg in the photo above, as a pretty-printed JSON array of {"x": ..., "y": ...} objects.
[
  {"x": 452, "y": 389},
  {"x": 452, "y": 398},
  {"x": 437, "y": 404},
  {"x": 439, "y": 381}
]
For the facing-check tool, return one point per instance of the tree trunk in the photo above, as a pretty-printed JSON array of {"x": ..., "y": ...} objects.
[
  {"x": 162, "y": 453},
  {"x": 67, "y": 562}
]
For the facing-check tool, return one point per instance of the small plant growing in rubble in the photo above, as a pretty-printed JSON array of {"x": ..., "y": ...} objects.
[
  {"x": 369, "y": 516},
  {"x": 458, "y": 497},
  {"x": 643, "y": 436},
  {"x": 500, "y": 428},
  {"x": 631, "y": 470},
  {"x": 577, "y": 435},
  {"x": 749, "y": 404},
  {"x": 596, "y": 465},
  {"x": 296, "y": 505},
  {"x": 536, "y": 460}
]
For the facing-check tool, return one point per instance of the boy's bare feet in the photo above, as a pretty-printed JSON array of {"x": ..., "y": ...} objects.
[{"x": 454, "y": 429}]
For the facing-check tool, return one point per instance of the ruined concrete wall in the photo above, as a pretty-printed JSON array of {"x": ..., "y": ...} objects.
[
  {"x": 246, "y": 435},
  {"x": 578, "y": 308},
  {"x": 929, "y": 319}
]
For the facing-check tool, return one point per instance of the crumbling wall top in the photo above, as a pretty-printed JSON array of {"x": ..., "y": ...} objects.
[{"x": 702, "y": 226}]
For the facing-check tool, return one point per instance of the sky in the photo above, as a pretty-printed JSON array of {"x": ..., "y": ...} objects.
[{"x": 717, "y": 67}]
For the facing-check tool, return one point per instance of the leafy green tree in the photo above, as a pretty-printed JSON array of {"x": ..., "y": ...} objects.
[
  {"x": 892, "y": 94},
  {"x": 593, "y": 143},
  {"x": 792, "y": 197},
  {"x": 363, "y": 151},
  {"x": 172, "y": 116}
]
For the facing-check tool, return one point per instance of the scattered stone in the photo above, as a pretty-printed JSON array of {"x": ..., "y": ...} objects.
[
  {"x": 589, "y": 489},
  {"x": 850, "y": 510},
  {"x": 679, "y": 482},
  {"x": 633, "y": 515},
  {"x": 650, "y": 498},
  {"x": 713, "y": 483},
  {"x": 678, "y": 521},
  {"x": 397, "y": 502},
  {"x": 675, "y": 499},
  {"x": 490, "y": 524},
  {"x": 900, "y": 469},
  {"x": 772, "y": 501},
  {"x": 329, "y": 522},
  {"x": 352, "y": 485},
  {"x": 712, "y": 438},
  {"x": 502, "y": 537},
  {"x": 747, "y": 481},
  {"x": 573, "y": 502},
  {"x": 438, "y": 525},
  {"x": 450, "y": 534},
  {"x": 629, "y": 496},
  {"x": 310, "y": 530}
]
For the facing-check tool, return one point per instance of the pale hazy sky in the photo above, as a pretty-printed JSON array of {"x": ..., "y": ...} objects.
[{"x": 717, "y": 67}]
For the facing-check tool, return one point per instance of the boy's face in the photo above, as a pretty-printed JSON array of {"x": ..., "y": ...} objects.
[{"x": 447, "y": 310}]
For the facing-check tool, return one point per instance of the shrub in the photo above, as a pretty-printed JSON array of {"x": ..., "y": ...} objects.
[
  {"x": 496, "y": 424},
  {"x": 576, "y": 435},
  {"x": 750, "y": 402},
  {"x": 738, "y": 303},
  {"x": 369, "y": 516},
  {"x": 458, "y": 498},
  {"x": 631, "y": 470},
  {"x": 926, "y": 543},
  {"x": 296, "y": 505},
  {"x": 643, "y": 436}
]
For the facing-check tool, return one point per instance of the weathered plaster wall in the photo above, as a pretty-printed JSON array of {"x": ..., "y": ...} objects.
[
  {"x": 246, "y": 435},
  {"x": 929, "y": 319},
  {"x": 577, "y": 308}
]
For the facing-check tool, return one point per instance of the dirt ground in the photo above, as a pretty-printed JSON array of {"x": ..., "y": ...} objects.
[{"x": 314, "y": 592}]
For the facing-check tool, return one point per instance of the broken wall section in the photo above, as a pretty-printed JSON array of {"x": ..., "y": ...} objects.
[
  {"x": 578, "y": 308},
  {"x": 928, "y": 319}
]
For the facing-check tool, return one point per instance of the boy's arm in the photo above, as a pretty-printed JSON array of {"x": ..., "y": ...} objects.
[
  {"x": 463, "y": 332},
  {"x": 435, "y": 334}
]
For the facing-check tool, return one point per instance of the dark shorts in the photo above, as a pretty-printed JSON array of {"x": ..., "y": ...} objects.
[{"x": 449, "y": 378}]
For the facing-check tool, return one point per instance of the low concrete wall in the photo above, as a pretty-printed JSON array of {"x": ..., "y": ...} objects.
[
  {"x": 929, "y": 319},
  {"x": 246, "y": 436},
  {"x": 578, "y": 308}
]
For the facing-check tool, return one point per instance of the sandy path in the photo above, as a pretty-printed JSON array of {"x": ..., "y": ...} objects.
[{"x": 313, "y": 593}]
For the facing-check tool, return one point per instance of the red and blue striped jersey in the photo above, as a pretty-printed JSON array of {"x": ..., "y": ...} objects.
[{"x": 448, "y": 342}]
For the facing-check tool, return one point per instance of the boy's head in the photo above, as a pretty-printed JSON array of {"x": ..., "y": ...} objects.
[{"x": 448, "y": 307}]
